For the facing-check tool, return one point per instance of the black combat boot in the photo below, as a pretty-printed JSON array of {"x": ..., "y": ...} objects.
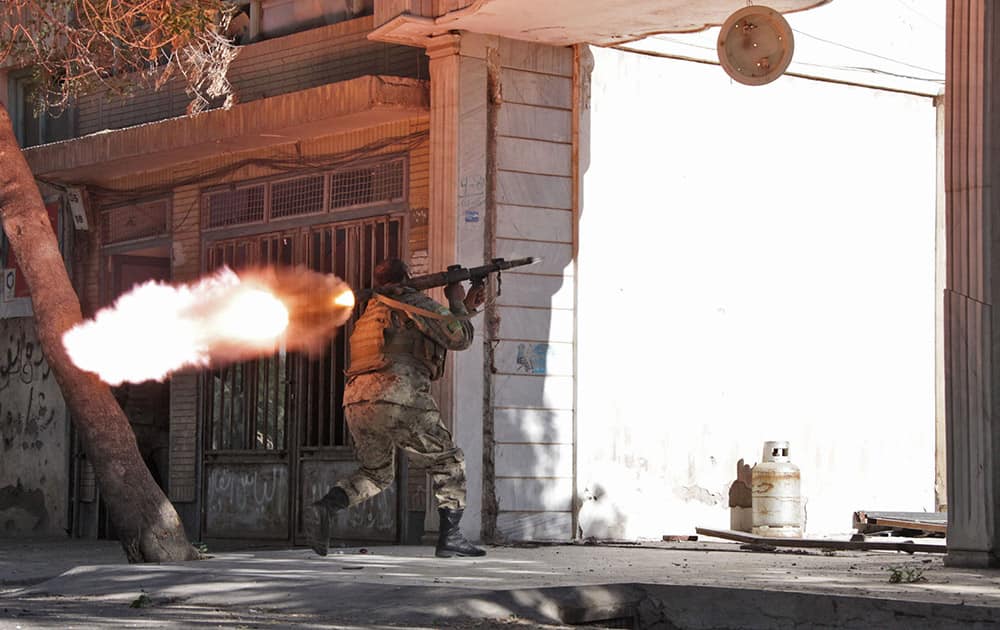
[
  {"x": 319, "y": 532},
  {"x": 451, "y": 542}
]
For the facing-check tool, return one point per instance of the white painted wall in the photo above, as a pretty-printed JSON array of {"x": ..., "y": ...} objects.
[{"x": 755, "y": 264}]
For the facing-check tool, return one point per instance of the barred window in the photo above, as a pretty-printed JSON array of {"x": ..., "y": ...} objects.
[
  {"x": 135, "y": 221},
  {"x": 380, "y": 183},
  {"x": 235, "y": 207},
  {"x": 294, "y": 197},
  {"x": 364, "y": 186}
]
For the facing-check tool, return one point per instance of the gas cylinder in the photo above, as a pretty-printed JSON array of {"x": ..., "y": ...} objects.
[{"x": 776, "y": 494}]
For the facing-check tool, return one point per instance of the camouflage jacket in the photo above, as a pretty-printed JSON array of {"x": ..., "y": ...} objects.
[{"x": 404, "y": 378}]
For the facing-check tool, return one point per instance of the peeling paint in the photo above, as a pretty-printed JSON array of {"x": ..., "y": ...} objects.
[{"x": 698, "y": 494}]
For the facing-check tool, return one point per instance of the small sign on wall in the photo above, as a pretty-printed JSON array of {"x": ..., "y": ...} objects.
[
  {"x": 9, "y": 284},
  {"x": 77, "y": 207}
]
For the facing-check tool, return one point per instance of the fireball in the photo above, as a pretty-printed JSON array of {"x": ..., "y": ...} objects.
[{"x": 157, "y": 328}]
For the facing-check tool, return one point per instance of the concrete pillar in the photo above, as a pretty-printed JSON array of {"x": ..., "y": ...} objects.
[
  {"x": 444, "y": 67},
  {"x": 971, "y": 342},
  {"x": 445, "y": 64},
  {"x": 458, "y": 209}
]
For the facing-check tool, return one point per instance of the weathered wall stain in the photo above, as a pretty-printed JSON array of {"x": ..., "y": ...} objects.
[
  {"x": 33, "y": 436},
  {"x": 699, "y": 494},
  {"x": 31, "y": 502}
]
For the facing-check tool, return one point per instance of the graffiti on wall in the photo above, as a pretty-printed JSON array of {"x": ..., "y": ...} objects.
[
  {"x": 372, "y": 519},
  {"x": 26, "y": 411},
  {"x": 22, "y": 361},
  {"x": 33, "y": 458},
  {"x": 247, "y": 501}
]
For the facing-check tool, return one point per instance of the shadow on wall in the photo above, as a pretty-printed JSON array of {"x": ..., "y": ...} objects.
[{"x": 535, "y": 364}]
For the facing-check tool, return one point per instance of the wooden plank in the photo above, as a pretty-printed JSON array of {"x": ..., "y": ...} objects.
[
  {"x": 897, "y": 524},
  {"x": 935, "y": 522},
  {"x": 816, "y": 543}
]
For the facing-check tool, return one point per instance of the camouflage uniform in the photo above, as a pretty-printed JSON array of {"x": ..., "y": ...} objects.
[{"x": 398, "y": 347}]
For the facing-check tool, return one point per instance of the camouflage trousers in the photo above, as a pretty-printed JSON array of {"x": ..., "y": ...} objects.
[{"x": 378, "y": 428}]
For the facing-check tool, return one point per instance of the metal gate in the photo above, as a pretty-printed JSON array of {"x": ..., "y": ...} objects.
[{"x": 274, "y": 430}]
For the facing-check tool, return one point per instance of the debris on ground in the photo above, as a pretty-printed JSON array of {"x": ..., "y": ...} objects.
[
  {"x": 906, "y": 575},
  {"x": 907, "y": 546},
  {"x": 911, "y": 524}
]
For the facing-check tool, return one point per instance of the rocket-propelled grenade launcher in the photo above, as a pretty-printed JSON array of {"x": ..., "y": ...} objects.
[{"x": 457, "y": 273}]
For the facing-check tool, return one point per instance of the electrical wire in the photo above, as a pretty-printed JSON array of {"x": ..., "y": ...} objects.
[
  {"x": 827, "y": 66},
  {"x": 653, "y": 53},
  {"x": 827, "y": 41},
  {"x": 277, "y": 164},
  {"x": 930, "y": 20},
  {"x": 865, "y": 52}
]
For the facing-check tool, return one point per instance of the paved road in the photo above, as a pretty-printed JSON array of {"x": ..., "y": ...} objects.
[{"x": 86, "y": 584}]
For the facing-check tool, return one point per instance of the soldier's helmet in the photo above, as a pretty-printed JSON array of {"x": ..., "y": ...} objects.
[{"x": 390, "y": 271}]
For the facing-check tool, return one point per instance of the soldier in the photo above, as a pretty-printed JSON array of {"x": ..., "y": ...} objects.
[{"x": 398, "y": 347}]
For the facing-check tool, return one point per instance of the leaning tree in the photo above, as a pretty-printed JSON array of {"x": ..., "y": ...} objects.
[{"x": 73, "y": 47}]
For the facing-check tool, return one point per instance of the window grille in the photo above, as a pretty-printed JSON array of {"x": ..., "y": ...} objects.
[
  {"x": 235, "y": 207},
  {"x": 262, "y": 404},
  {"x": 276, "y": 199},
  {"x": 294, "y": 197},
  {"x": 135, "y": 221},
  {"x": 380, "y": 183}
]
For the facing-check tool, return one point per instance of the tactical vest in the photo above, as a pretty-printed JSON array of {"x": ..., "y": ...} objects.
[{"x": 384, "y": 335}]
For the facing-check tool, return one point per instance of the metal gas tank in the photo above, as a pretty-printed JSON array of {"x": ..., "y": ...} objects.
[{"x": 777, "y": 494}]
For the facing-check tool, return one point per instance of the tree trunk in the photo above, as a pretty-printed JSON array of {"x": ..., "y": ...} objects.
[{"x": 146, "y": 522}]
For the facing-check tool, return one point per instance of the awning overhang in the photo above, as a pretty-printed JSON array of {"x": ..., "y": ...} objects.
[
  {"x": 567, "y": 22},
  {"x": 279, "y": 120}
]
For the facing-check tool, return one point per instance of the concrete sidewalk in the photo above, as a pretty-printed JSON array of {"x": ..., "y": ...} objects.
[{"x": 86, "y": 584}]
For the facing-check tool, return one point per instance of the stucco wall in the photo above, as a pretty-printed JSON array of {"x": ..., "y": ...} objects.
[
  {"x": 755, "y": 264},
  {"x": 33, "y": 437}
]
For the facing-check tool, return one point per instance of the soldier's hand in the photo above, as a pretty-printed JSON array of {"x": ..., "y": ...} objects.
[
  {"x": 455, "y": 292},
  {"x": 475, "y": 297}
]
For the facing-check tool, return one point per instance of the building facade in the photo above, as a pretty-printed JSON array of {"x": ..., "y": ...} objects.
[{"x": 605, "y": 396}]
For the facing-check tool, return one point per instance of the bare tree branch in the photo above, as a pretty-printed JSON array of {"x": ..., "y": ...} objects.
[{"x": 79, "y": 46}]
